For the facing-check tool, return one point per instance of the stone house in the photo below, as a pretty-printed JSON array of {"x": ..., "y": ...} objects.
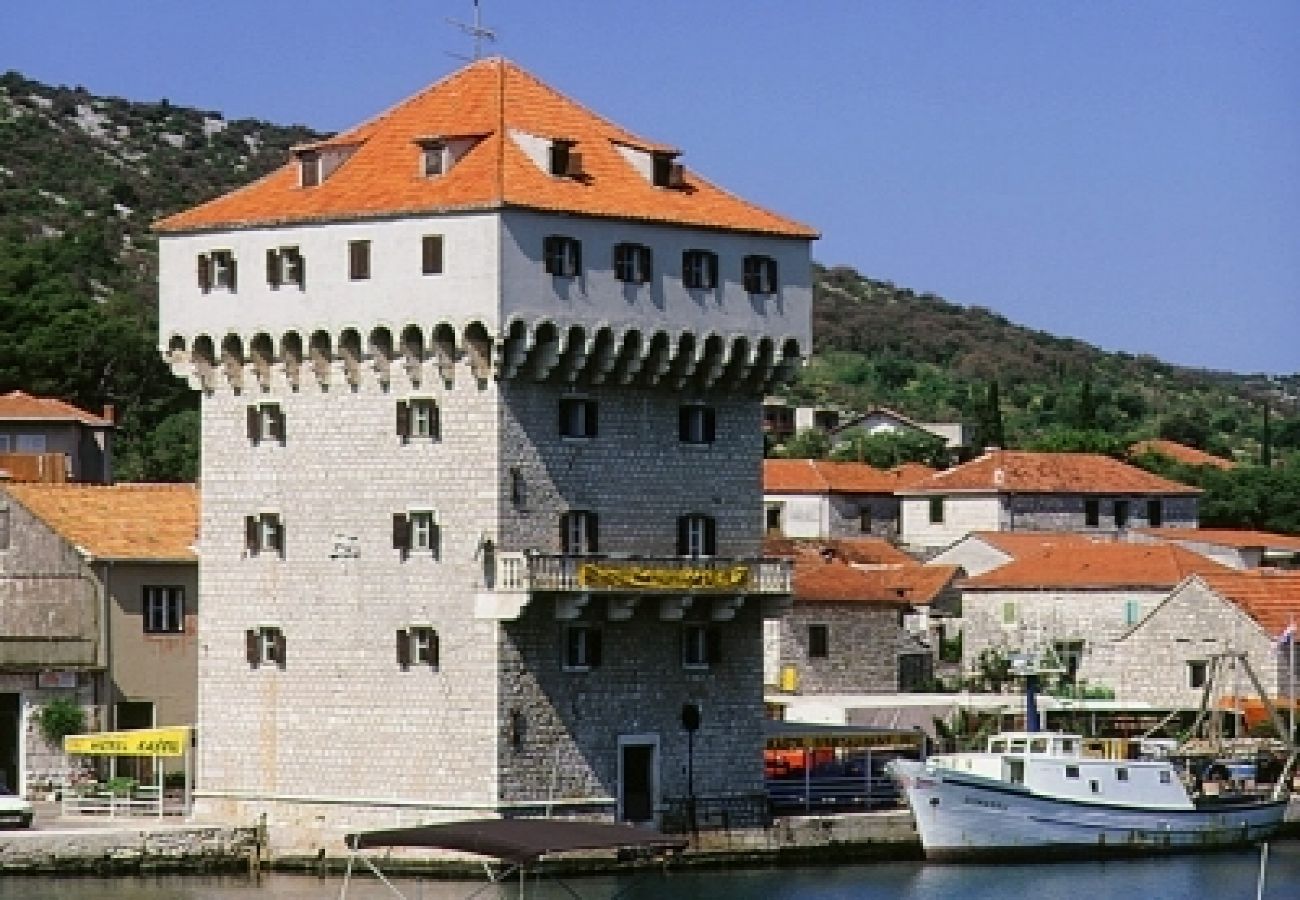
[
  {"x": 1070, "y": 597},
  {"x": 98, "y": 602},
  {"x": 1164, "y": 658},
  {"x": 983, "y": 551},
  {"x": 481, "y": 382},
  {"x": 954, "y": 436},
  {"x": 47, "y": 440},
  {"x": 1006, "y": 490},
  {"x": 815, "y": 498},
  {"x": 1237, "y": 548}
]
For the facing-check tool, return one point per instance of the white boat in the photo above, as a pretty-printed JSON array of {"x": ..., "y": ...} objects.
[{"x": 1035, "y": 793}]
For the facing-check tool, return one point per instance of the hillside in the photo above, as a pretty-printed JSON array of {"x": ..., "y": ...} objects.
[{"x": 82, "y": 177}]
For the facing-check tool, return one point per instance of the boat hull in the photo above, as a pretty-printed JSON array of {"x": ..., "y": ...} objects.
[{"x": 962, "y": 817}]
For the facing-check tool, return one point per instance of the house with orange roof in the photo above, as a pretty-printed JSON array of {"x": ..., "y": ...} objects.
[
  {"x": 99, "y": 598},
  {"x": 1012, "y": 490},
  {"x": 1167, "y": 656},
  {"x": 1179, "y": 453},
  {"x": 817, "y": 498},
  {"x": 1239, "y": 548},
  {"x": 982, "y": 551},
  {"x": 1070, "y": 597},
  {"x": 482, "y": 497},
  {"x": 44, "y": 439}
]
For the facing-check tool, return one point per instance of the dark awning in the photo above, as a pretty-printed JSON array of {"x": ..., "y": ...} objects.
[{"x": 520, "y": 841}]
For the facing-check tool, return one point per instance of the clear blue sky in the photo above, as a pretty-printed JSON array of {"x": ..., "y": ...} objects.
[{"x": 1127, "y": 173}]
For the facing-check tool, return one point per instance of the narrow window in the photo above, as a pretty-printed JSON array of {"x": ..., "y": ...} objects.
[
  {"x": 417, "y": 646},
  {"x": 265, "y": 646},
  {"x": 701, "y": 646},
  {"x": 265, "y": 423},
  {"x": 565, "y": 161},
  {"x": 358, "y": 260},
  {"x": 696, "y": 424},
  {"x": 578, "y": 418},
  {"x": 700, "y": 270},
  {"x": 864, "y": 519},
  {"x": 1091, "y": 513},
  {"x": 579, "y": 532},
  {"x": 1197, "y": 670},
  {"x": 1009, "y": 612},
  {"x": 1155, "y": 513},
  {"x": 772, "y": 523},
  {"x": 1132, "y": 611},
  {"x": 1094, "y": 786},
  {"x": 936, "y": 510},
  {"x": 4, "y": 528},
  {"x": 582, "y": 648},
  {"x": 309, "y": 169},
  {"x": 416, "y": 532},
  {"x": 759, "y": 274},
  {"x": 819, "y": 643},
  {"x": 632, "y": 263},
  {"x": 697, "y": 535},
  {"x": 164, "y": 609},
  {"x": 1121, "y": 513},
  {"x": 264, "y": 533},
  {"x": 418, "y": 419},
  {"x": 1165, "y": 777},
  {"x": 518, "y": 489},
  {"x": 431, "y": 254},
  {"x": 563, "y": 256},
  {"x": 434, "y": 158}
]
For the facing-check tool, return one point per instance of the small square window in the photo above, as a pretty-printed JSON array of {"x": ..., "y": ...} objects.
[
  {"x": 701, "y": 646},
  {"x": 265, "y": 645},
  {"x": 431, "y": 254},
  {"x": 582, "y": 648},
  {"x": 265, "y": 423},
  {"x": 1071, "y": 771},
  {"x": 264, "y": 533},
  {"x": 819, "y": 641},
  {"x": 696, "y": 424},
  {"x": 285, "y": 265},
  {"x": 416, "y": 532},
  {"x": 418, "y": 419},
  {"x": 433, "y": 158},
  {"x": 1121, "y": 774},
  {"x": 578, "y": 418},
  {"x": 358, "y": 260},
  {"x": 217, "y": 270},
  {"x": 700, "y": 270},
  {"x": 760, "y": 275},
  {"x": 1197, "y": 671},
  {"x": 418, "y": 646},
  {"x": 632, "y": 263},
  {"x": 563, "y": 256},
  {"x": 164, "y": 610}
]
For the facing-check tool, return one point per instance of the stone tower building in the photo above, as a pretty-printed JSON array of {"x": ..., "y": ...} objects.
[{"x": 481, "y": 453}]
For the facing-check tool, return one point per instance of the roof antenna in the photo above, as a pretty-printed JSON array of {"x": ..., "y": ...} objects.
[{"x": 477, "y": 31}]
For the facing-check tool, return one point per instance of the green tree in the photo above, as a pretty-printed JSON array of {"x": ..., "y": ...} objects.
[{"x": 809, "y": 443}]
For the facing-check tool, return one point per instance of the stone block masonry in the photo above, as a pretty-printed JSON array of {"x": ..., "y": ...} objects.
[{"x": 123, "y": 851}]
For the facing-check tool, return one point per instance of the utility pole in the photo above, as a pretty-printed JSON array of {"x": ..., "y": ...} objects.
[{"x": 476, "y": 30}]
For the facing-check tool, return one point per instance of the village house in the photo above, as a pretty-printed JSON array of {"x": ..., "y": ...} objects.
[
  {"x": 481, "y": 380},
  {"x": 782, "y": 421},
  {"x": 954, "y": 437},
  {"x": 1237, "y": 548},
  {"x": 815, "y": 498},
  {"x": 47, "y": 440},
  {"x": 1006, "y": 490},
  {"x": 983, "y": 551},
  {"x": 1165, "y": 658},
  {"x": 98, "y": 602},
  {"x": 1070, "y": 597}
]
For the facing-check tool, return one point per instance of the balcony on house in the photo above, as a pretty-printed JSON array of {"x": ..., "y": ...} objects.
[{"x": 45, "y": 468}]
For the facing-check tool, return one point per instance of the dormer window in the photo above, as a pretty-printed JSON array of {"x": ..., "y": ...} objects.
[
  {"x": 308, "y": 168},
  {"x": 666, "y": 173},
  {"x": 565, "y": 161},
  {"x": 760, "y": 275},
  {"x": 434, "y": 158}
]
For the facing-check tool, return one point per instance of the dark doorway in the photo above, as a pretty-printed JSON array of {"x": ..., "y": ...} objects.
[
  {"x": 127, "y": 715},
  {"x": 10, "y": 735},
  {"x": 636, "y": 791}
]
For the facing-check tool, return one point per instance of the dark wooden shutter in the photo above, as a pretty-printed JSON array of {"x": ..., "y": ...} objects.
[
  {"x": 435, "y": 650},
  {"x": 254, "y": 424},
  {"x": 273, "y": 268},
  {"x": 403, "y": 648},
  {"x": 551, "y": 254},
  {"x": 403, "y": 419},
  {"x": 577, "y": 256},
  {"x": 683, "y": 535},
  {"x": 750, "y": 274},
  {"x": 253, "y": 647},
  {"x": 590, "y": 419},
  {"x": 435, "y": 421},
  {"x": 593, "y": 533},
  {"x": 712, "y": 260},
  {"x": 252, "y": 534},
  {"x": 277, "y": 536},
  {"x": 710, "y": 536},
  {"x": 234, "y": 273},
  {"x": 300, "y": 262},
  {"x": 646, "y": 260},
  {"x": 205, "y": 272},
  {"x": 773, "y": 282},
  {"x": 594, "y": 649},
  {"x": 713, "y": 645},
  {"x": 401, "y": 532},
  {"x": 281, "y": 646},
  {"x": 277, "y": 425},
  {"x": 710, "y": 424},
  {"x": 684, "y": 423},
  {"x": 435, "y": 537}
]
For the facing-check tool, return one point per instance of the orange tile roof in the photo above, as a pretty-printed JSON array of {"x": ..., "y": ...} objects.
[
  {"x": 908, "y": 474},
  {"x": 1024, "y": 543},
  {"x": 821, "y": 476},
  {"x": 1188, "y": 456},
  {"x": 17, "y": 405},
  {"x": 1270, "y": 598},
  {"x": 145, "y": 522},
  {"x": 1094, "y": 565},
  {"x": 819, "y": 579},
  {"x": 487, "y": 99},
  {"x": 1228, "y": 537},
  {"x": 1024, "y": 472},
  {"x": 863, "y": 551}
]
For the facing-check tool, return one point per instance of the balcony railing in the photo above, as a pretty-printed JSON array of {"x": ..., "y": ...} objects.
[{"x": 527, "y": 572}]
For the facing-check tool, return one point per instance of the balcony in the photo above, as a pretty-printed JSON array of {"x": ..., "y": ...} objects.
[{"x": 675, "y": 581}]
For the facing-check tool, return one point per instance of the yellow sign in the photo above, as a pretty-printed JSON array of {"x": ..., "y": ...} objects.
[
  {"x": 141, "y": 742},
  {"x": 596, "y": 576}
]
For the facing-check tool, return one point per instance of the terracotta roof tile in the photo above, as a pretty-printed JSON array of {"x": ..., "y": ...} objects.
[
  {"x": 819, "y": 579},
  {"x": 120, "y": 521},
  {"x": 1270, "y": 598},
  {"x": 1088, "y": 565},
  {"x": 17, "y": 405},
  {"x": 1228, "y": 537},
  {"x": 490, "y": 98},
  {"x": 1024, "y": 543},
  {"x": 862, "y": 551},
  {"x": 1013, "y": 471},
  {"x": 820, "y": 476},
  {"x": 1188, "y": 456}
]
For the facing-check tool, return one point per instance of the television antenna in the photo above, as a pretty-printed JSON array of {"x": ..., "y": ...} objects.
[{"x": 477, "y": 30}]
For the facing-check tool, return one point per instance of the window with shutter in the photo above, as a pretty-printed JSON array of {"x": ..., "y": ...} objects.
[
  {"x": 700, "y": 269},
  {"x": 696, "y": 535},
  {"x": 632, "y": 263},
  {"x": 759, "y": 274},
  {"x": 266, "y": 421},
  {"x": 265, "y": 645},
  {"x": 563, "y": 256},
  {"x": 578, "y": 418},
  {"x": 579, "y": 532},
  {"x": 263, "y": 533},
  {"x": 221, "y": 270}
]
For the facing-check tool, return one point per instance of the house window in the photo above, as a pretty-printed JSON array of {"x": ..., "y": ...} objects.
[
  {"x": 1091, "y": 513},
  {"x": 697, "y": 535},
  {"x": 31, "y": 443},
  {"x": 664, "y": 172},
  {"x": 518, "y": 489},
  {"x": 358, "y": 260},
  {"x": 563, "y": 255},
  {"x": 433, "y": 158},
  {"x": 579, "y": 532},
  {"x": 418, "y": 419},
  {"x": 1197, "y": 671},
  {"x": 265, "y": 646},
  {"x": 565, "y": 161},
  {"x": 1121, "y": 774},
  {"x": 416, "y": 531},
  {"x": 700, "y": 270},
  {"x": 1009, "y": 612},
  {"x": 1132, "y": 611},
  {"x": 1121, "y": 513},
  {"x": 417, "y": 646},
  {"x": 4, "y": 528},
  {"x": 431, "y": 254},
  {"x": 696, "y": 424},
  {"x": 265, "y": 422},
  {"x": 864, "y": 519},
  {"x": 308, "y": 169},
  {"x": 772, "y": 523},
  {"x": 217, "y": 270},
  {"x": 701, "y": 646},
  {"x": 760, "y": 275},
  {"x": 582, "y": 648},
  {"x": 1070, "y": 654},
  {"x": 164, "y": 610},
  {"x": 5, "y": 443},
  {"x": 632, "y": 263},
  {"x": 936, "y": 510},
  {"x": 264, "y": 533},
  {"x": 1071, "y": 771},
  {"x": 819, "y": 641},
  {"x": 578, "y": 418},
  {"x": 1155, "y": 513},
  {"x": 285, "y": 266}
]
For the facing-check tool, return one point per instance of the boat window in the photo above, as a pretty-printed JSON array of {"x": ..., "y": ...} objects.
[
  {"x": 1016, "y": 771},
  {"x": 1071, "y": 771},
  {"x": 1164, "y": 778},
  {"x": 1096, "y": 786},
  {"x": 1038, "y": 745},
  {"x": 1018, "y": 745},
  {"x": 998, "y": 747},
  {"x": 1067, "y": 747},
  {"x": 1121, "y": 774}
]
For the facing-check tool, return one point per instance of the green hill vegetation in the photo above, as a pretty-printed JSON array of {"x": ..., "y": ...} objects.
[{"x": 82, "y": 177}]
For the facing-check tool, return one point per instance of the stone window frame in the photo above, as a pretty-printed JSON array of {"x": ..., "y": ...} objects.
[
  {"x": 418, "y": 419},
  {"x": 162, "y": 609},
  {"x": 701, "y": 646},
  {"x": 581, "y": 647},
  {"x": 417, "y": 532}
]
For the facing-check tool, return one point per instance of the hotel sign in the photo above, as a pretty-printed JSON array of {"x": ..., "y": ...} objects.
[
  {"x": 632, "y": 577},
  {"x": 139, "y": 742}
]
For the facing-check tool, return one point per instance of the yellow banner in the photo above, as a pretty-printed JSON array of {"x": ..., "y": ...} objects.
[
  {"x": 629, "y": 577},
  {"x": 141, "y": 742}
]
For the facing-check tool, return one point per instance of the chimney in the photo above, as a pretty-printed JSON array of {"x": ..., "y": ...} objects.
[{"x": 110, "y": 413}]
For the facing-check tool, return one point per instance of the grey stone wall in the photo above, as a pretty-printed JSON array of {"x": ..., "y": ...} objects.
[
  {"x": 1066, "y": 512},
  {"x": 864, "y": 643},
  {"x": 846, "y": 515}
]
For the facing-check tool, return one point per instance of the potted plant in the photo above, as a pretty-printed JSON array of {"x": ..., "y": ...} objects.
[{"x": 60, "y": 718}]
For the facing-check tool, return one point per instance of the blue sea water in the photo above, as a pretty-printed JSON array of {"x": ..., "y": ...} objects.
[{"x": 1226, "y": 876}]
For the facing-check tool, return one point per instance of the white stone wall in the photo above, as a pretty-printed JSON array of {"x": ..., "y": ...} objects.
[
  {"x": 802, "y": 515},
  {"x": 975, "y": 556},
  {"x": 962, "y": 514}
]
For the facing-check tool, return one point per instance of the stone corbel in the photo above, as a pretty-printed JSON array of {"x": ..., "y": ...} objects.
[
  {"x": 570, "y": 606},
  {"x": 673, "y": 608},
  {"x": 724, "y": 608},
  {"x": 620, "y": 608}
]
